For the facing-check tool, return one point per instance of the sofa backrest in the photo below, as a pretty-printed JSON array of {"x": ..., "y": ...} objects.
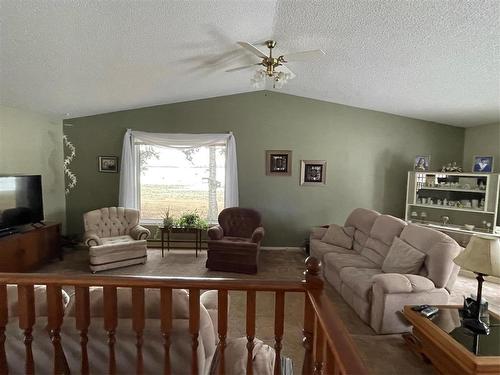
[
  {"x": 111, "y": 221},
  {"x": 239, "y": 222},
  {"x": 440, "y": 250},
  {"x": 379, "y": 241},
  {"x": 362, "y": 220}
]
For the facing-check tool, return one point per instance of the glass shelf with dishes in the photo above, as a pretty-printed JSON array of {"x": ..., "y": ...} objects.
[{"x": 468, "y": 201}]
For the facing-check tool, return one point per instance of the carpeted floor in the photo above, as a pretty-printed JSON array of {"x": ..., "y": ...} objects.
[{"x": 383, "y": 354}]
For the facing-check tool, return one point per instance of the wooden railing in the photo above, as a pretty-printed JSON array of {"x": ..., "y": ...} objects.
[{"x": 328, "y": 346}]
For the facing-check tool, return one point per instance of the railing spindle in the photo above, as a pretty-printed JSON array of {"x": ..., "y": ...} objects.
[
  {"x": 251, "y": 307},
  {"x": 222, "y": 327},
  {"x": 4, "y": 319},
  {"x": 55, "y": 310},
  {"x": 111, "y": 322},
  {"x": 26, "y": 303},
  {"x": 330, "y": 367},
  {"x": 82, "y": 315},
  {"x": 166, "y": 325},
  {"x": 138, "y": 324},
  {"x": 279, "y": 324},
  {"x": 194, "y": 326}
]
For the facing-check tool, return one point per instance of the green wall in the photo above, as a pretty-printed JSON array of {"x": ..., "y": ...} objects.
[
  {"x": 482, "y": 140},
  {"x": 368, "y": 155},
  {"x": 31, "y": 143}
]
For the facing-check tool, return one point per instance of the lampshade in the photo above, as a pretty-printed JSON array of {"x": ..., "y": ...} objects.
[{"x": 482, "y": 255}]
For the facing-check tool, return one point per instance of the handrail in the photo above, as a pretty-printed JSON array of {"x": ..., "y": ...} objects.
[{"x": 153, "y": 282}]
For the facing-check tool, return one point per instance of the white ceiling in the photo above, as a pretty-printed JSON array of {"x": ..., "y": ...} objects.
[{"x": 435, "y": 60}]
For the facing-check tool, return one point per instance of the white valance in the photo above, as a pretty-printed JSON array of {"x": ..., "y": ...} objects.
[{"x": 128, "y": 178}]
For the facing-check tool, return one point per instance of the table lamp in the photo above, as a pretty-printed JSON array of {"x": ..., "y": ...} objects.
[{"x": 481, "y": 256}]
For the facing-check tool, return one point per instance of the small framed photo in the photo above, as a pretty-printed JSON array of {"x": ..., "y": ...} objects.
[
  {"x": 278, "y": 163},
  {"x": 313, "y": 172},
  {"x": 422, "y": 163},
  {"x": 482, "y": 164},
  {"x": 108, "y": 164}
]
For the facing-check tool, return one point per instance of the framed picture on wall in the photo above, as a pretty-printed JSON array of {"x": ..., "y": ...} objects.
[
  {"x": 313, "y": 172},
  {"x": 482, "y": 164},
  {"x": 422, "y": 163},
  {"x": 278, "y": 163},
  {"x": 108, "y": 164}
]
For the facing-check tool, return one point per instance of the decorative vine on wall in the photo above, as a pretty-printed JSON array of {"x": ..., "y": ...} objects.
[{"x": 71, "y": 178}]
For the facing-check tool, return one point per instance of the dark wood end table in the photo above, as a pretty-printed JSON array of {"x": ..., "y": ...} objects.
[{"x": 195, "y": 231}]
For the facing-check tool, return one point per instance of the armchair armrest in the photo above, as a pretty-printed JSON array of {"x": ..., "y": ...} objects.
[
  {"x": 317, "y": 233},
  {"x": 90, "y": 238},
  {"x": 258, "y": 234},
  {"x": 391, "y": 283},
  {"x": 139, "y": 233},
  {"x": 216, "y": 232}
]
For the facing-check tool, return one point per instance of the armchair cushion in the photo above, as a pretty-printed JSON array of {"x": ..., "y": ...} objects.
[
  {"x": 216, "y": 232},
  {"x": 398, "y": 283},
  {"x": 139, "y": 233},
  {"x": 339, "y": 236},
  {"x": 258, "y": 235},
  {"x": 403, "y": 258}
]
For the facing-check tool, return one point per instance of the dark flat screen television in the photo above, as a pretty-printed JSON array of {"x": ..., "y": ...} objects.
[{"x": 21, "y": 200}]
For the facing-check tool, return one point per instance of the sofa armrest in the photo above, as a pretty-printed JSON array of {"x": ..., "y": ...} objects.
[
  {"x": 216, "y": 232},
  {"x": 90, "y": 238},
  {"x": 399, "y": 283},
  {"x": 317, "y": 233},
  {"x": 258, "y": 234},
  {"x": 139, "y": 233}
]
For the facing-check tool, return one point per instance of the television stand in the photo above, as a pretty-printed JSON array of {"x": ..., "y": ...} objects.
[
  {"x": 29, "y": 249},
  {"x": 7, "y": 232}
]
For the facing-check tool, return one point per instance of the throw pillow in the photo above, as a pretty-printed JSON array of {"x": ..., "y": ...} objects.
[
  {"x": 403, "y": 258},
  {"x": 339, "y": 236}
]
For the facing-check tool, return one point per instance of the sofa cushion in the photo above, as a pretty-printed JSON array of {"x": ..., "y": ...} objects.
[
  {"x": 116, "y": 240},
  {"x": 319, "y": 248},
  {"x": 440, "y": 250},
  {"x": 359, "y": 280},
  {"x": 362, "y": 220},
  {"x": 382, "y": 234},
  {"x": 339, "y": 236},
  {"x": 403, "y": 258},
  {"x": 339, "y": 261}
]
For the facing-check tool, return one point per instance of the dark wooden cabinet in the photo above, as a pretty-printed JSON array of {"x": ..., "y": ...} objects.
[{"x": 30, "y": 249}]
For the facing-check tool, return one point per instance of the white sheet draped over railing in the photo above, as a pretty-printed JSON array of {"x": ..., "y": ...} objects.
[{"x": 128, "y": 177}]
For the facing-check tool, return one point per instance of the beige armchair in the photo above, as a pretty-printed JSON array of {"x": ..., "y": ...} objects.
[{"x": 115, "y": 238}]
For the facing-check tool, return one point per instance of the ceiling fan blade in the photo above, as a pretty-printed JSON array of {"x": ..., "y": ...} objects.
[
  {"x": 253, "y": 49},
  {"x": 304, "y": 55},
  {"x": 242, "y": 67},
  {"x": 286, "y": 69}
]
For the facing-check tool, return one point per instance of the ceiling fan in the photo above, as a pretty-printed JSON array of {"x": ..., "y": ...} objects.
[{"x": 274, "y": 67}]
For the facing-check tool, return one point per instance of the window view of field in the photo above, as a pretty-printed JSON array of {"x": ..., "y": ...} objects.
[{"x": 181, "y": 181}]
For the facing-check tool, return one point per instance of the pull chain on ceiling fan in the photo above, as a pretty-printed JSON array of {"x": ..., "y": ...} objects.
[{"x": 274, "y": 68}]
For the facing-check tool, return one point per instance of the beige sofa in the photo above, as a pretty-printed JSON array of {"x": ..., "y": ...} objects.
[
  {"x": 115, "y": 238},
  {"x": 125, "y": 346},
  {"x": 360, "y": 259}
]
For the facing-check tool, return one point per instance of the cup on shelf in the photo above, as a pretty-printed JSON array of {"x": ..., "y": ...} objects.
[
  {"x": 469, "y": 227},
  {"x": 475, "y": 203}
]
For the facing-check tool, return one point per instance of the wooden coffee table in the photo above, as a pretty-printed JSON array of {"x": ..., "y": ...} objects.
[{"x": 451, "y": 348}]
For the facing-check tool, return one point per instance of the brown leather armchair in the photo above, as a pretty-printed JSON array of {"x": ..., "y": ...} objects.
[{"x": 234, "y": 244}]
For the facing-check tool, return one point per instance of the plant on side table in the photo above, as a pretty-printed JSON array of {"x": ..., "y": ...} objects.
[{"x": 191, "y": 220}]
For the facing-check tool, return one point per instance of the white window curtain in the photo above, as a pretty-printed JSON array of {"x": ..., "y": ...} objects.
[{"x": 128, "y": 176}]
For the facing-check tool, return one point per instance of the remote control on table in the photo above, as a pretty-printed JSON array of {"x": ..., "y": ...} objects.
[
  {"x": 429, "y": 311},
  {"x": 419, "y": 308}
]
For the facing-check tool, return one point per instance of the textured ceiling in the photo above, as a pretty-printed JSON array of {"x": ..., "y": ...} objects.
[{"x": 434, "y": 60}]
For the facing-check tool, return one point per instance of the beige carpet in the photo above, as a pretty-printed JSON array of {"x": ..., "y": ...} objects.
[{"x": 383, "y": 354}]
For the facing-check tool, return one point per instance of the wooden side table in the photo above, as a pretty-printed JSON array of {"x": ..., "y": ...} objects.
[
  {"x": 451, "y": 348},
  {"x": 194, "y": 231}
]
